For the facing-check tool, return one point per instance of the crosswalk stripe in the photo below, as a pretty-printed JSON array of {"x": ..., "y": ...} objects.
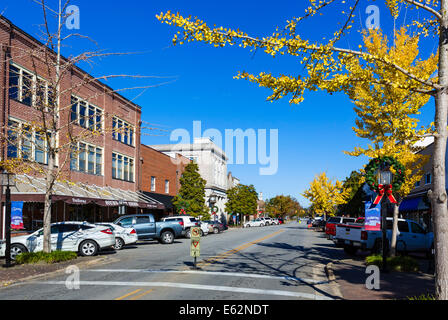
[{"x": 194, "y": 286}]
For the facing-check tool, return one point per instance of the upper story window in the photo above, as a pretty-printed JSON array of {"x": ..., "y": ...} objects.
[
  {"x": 26, "y": 142},
  {"x": 123, "y": 131},
  {"x": 86, "y": 158},
  {"x": 167, "y": 186},
  {"x": 417, "y": 184},
  {"x": 85, "y": 114},
  {"x": 428, "y": 179},
  {"x": 153, "y": 184},
  {"x": 28, "y": 88},
  {"x": 122, "y": 167}
]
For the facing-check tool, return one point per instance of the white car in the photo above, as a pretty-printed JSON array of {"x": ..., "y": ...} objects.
[
  {"x": 82, "y": 237},
  {"x": 123, "y": 236},
  {"x": 275, "y": 221},
  {"x": 267, "y": 221},
  {"x": 188, "y": 222},
  {"x": 254, "y": 223},
  {"x": 2, "y": 248}
]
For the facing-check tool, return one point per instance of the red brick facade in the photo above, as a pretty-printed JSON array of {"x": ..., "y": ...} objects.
[
  {"x": 162, "y": 167},
  {"x": 16, "y": 45}
]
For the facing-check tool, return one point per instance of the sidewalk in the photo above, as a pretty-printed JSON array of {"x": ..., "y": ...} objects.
[{"x": 350, "y": 276}]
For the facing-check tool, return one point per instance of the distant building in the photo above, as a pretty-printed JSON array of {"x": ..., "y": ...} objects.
[
  {"x": 212, "y": 163},
  {"x": 159, "y": 177}
]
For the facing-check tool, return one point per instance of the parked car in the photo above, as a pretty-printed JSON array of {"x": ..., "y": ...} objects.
[
  {"x": 275, "y": 221},
  {"x": 82, "y": 237},
  {"x": 267, "y": 221},
  {"x": 187, "y": 223},
  {"x": 147, "y": 228},
  {"x": 411, "y": 237},
  {"x": 254, "y": 223},
  {"x": 281, "y": 221},
  {"x": 123, "y": 236},
  {"x": 330, "y": 226},
  {"x": 216, "y": 225}
]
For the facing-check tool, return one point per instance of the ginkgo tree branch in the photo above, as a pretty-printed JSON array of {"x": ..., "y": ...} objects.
[{"x": 425, "y": 7}]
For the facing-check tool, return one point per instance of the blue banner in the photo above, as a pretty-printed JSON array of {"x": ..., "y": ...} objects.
[
  {"x": 373, "y": 217},
  {"x": 17, "y": 215}
]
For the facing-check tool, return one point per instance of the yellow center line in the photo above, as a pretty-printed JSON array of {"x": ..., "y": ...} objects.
[
  {"x": 237, "y": 249},
  {"x": 129, "y": 294},
  {"x": 141, "y": 295}
]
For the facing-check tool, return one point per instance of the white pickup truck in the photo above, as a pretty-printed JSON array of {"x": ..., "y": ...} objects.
[{"x": 411, "y": 237}]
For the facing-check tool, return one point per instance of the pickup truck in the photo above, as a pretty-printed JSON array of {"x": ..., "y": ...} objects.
[
  {"x": 411, "y": 237},
  {"x": 330, "y": 226},
  {"x": 147, "y": 228}
]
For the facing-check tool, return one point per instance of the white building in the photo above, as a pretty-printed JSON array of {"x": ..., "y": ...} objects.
[{"x": 212, "y": 163}]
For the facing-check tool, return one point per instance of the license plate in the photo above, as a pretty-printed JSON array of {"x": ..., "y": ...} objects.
[
  {"x": 356, "y": 244},
  {"x": 347, "y": 233},
  {"x": 347, "y": 241}
]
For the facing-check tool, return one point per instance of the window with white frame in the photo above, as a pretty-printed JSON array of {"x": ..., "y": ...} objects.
[
  {"x": 167, "y": 186},
  {"x": 86, "y": 158},
  {"x": 122, "y": 167},
  {"x": 28, "y": 88},
  {"x": 85, "y": 114},
  {"x": 123, "y": 131},
  {"x": 153, "y": 184},
  {"x": 25, "y": 142}
]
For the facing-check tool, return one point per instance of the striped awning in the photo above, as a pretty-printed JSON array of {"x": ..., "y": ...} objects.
[{"x": 32, "y": 189}]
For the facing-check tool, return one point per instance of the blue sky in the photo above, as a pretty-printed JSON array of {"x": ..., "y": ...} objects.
[{"x": 312, "y": 135}]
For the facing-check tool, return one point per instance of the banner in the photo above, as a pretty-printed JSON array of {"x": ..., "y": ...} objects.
[
  {"x": 16, "y": 215},
  {"x": 373, "y": 217}
]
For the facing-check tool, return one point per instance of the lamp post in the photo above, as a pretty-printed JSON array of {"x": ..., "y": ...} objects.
[
  {"x": 384, "y": 179},
  {"x": 7, "y": 181}
]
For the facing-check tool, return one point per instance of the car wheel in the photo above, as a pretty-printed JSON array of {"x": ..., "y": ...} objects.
[
  {"x": 88, "y": 248},
  {"x": 17, "y": 249},
  {"x": 167, "y": 237},
  {"x": 119, "y": 244},
  {"x": 202, "y": 233},
  {"x": 188, "y": 234},
  {"x": 262, "y": 225},
  {"x": 215, "y": 230}
]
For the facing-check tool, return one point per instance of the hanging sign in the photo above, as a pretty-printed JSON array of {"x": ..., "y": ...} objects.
[
  {"x": 373, "y": 217},
  {"x": 17, "y": 215}
]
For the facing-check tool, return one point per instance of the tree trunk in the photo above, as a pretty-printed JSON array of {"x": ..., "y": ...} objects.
[
  {"x": 393, "y": 241},
  {"x": 438, "y": 195}
]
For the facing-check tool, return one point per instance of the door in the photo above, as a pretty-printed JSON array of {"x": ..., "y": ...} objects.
[
  {"x": 144, "y": 227},
  {"x": 418, "y": 237}
]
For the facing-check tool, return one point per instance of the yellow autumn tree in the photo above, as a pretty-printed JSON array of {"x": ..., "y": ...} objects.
[
  {"x": 326, "y": 66},
  {"x": 387, "y": 115},
  {"x": 325, "y": 195}
]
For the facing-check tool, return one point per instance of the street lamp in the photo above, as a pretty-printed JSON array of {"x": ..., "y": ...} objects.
[
  {"x": 384, "y": 180},
  {"x": 6, "y": 180}
]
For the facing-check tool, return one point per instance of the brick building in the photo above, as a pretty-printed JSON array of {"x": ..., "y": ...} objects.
[
  {"x": 102, "y": 156},
  {"x": 160, "y": 176}
]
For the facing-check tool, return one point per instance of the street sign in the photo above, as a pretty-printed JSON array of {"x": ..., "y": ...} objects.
[
  {"x": 195, "y": 233},
  {"x": 195, "y": 248}
]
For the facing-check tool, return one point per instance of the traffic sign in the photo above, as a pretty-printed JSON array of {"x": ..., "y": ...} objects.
[
  {"x": 195, "y": 233},
  {"x": 195, "y": 248}
]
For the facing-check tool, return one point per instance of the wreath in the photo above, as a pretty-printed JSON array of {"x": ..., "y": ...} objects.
[
  {"x": 373, "y": 167},
  {"x": 215, "y": 209}
]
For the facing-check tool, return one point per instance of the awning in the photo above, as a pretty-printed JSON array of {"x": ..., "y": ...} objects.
[
  {"x": 412, "y": 204},
  {"x": 32, "y": 189},
  {"x": 163, "y": 198}
]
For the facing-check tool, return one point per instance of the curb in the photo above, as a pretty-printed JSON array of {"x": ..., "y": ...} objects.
[
  {"x": 332, "y": 278},
  {"x": 4, "y": 284},
  {"x": 329, "y": 271}
]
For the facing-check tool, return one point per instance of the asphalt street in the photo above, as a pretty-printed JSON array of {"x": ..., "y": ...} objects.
[{"x": 269, "y": 263}]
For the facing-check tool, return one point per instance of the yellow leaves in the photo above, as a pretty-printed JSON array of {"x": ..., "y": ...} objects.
[{"x": 326, "y": 195}]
